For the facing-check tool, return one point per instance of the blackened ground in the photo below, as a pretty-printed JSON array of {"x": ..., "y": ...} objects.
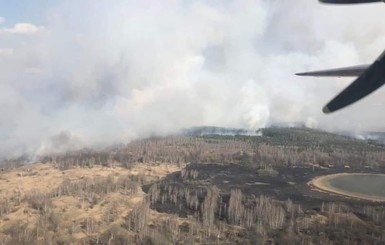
[{"x": 289, "y": 183}]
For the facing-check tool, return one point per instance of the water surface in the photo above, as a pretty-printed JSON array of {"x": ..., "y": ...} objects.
[{"x": 364, "y": 184}]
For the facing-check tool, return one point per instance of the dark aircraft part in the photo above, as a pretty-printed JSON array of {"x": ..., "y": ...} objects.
[
  {"x": 370, "y": 78},
  {"x": 350, "y": 1},
  {"x": 353, "y": 71},
  {"x": 369, "y": 81}
]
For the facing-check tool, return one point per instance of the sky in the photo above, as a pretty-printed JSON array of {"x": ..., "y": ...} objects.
[{"x": 95, "y": 73}]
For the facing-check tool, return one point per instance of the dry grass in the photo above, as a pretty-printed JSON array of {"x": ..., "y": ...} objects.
[{"x": 71, "y": 212}]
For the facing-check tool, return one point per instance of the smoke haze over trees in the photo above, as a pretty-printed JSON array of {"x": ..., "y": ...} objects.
[{"x": 94, "y": 74}]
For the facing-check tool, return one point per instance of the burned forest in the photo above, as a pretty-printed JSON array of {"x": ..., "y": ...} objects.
[{"x": 194, "y": 188}]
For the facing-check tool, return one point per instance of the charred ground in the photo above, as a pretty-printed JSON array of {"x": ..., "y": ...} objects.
[{"x": 198, "y": 188}]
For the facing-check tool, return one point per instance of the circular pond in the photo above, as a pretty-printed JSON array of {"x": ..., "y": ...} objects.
[{"x": 363, "y": 186}]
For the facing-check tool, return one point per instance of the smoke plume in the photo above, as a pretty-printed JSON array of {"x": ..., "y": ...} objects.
[{"x": 94, "y": 74}]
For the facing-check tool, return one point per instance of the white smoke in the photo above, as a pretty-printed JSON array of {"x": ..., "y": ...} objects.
[{"x": 113, "y": 71}]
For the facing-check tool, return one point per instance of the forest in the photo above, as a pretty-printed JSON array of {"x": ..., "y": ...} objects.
[{"x": 193, "y": 188}]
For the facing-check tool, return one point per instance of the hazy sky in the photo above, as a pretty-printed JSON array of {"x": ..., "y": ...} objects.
[{"x": 86, "y": 72}]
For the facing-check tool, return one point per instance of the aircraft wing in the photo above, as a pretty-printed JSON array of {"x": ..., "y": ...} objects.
[{"x": 352, "y": 71}]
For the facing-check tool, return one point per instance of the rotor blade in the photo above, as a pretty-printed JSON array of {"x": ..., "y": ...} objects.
[
  {"x": 350, "y": 1},
  {"x": 369, "y": 81},
  {"x": 353, "y": 71}
]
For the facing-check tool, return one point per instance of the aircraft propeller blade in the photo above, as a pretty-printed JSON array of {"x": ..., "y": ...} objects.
[
  {"x": 369, "y": 81},
  {"x": 349, "y": 1},
  {"x": 352, "y": 71}
]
